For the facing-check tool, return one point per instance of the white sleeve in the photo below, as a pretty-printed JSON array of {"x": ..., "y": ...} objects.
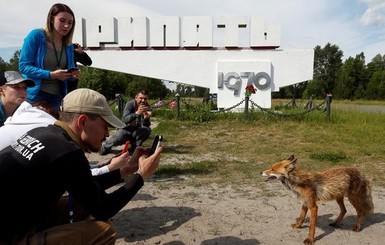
[{"x": 99, "y": 171}]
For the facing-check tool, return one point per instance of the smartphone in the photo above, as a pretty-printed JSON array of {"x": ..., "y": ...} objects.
[
  {"x": 73, "y": 69},
  {"x": 125, "y": 148},
  {"x": 156, "y": 143}
]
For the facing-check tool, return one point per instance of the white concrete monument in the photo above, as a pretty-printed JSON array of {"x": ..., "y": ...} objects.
[{"x": 224, "y": 54}]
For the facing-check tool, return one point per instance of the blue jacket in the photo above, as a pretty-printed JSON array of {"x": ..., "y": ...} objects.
[
  {"x": 31, "y": 61},
  {"x": 3, "y": 114}
]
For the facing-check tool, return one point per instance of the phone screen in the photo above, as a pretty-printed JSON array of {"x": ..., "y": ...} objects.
[
  {"x": 156, "y": 143},
  {"x": 72, "y": 69}
]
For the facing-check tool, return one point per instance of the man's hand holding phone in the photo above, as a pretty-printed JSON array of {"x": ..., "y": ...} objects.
[{"x": 148, "y": 165}]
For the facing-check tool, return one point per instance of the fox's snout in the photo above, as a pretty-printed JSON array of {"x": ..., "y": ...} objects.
[
  {"x": 268, "y": 172},
  {"x": 270, "y": 175},
  {"x": 263, "y": 174},
  {"x": 280, "y": 170}
]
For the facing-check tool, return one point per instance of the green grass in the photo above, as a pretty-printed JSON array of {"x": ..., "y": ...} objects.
[{"x": 232, "y": 148}]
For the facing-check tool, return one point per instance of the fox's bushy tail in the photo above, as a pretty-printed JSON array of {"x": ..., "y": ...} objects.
[{"x": 366, "y": 200}]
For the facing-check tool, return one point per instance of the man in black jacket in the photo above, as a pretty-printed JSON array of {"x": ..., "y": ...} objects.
[
  {"x": 137, "y": 117},
  {"x": 46, "y": 162}
]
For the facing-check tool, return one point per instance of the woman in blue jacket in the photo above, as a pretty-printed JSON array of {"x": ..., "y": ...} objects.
[{"x": 46, "y": 56}]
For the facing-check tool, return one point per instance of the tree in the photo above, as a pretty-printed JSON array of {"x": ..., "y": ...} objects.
[
  {"x": 201, "y": 91},
  {"x": 110, "y": 83},
  {"x": 377, "y": 64},
  {"x": 376, "y": 76},
  {"x": 353, "y": 79},
  {"x": 3, "y": 65},
  {"x": 106, "y": 82},
  {"x": 327, "y": 65},
  {"x": 155, "y": 87},
  {"x": 13, "y": 64},
  {"x": 373, "y": 90},
  {"x": 293, "y": 91}
]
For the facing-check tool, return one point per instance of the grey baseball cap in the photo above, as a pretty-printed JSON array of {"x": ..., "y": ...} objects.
[{"x": 14, "y": 77}]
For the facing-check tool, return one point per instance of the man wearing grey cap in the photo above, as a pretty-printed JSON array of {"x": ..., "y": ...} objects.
[
  {"x": 44, "y": 163},
  {"x": 13, "y": 91}
]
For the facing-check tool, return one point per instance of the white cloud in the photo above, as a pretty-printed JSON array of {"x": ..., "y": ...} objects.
[{"x": 375, "y": 14}]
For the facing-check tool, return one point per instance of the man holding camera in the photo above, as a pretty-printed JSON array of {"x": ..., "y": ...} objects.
[
  {"x": 136, "y": 116},
  {"x": 46, "y": 162}
]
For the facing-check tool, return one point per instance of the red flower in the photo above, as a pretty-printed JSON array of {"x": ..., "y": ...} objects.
[{"x": 250, "y": 90}]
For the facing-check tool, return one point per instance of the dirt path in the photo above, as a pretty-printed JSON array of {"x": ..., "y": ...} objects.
[
  {"x": 169, "y": 212},
  {"x": 363, "y": 108},
  {"x": 213, "y": 215}
]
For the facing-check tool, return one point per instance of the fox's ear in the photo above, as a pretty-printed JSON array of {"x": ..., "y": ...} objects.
[
  {"x": 290, "y": 167},
  {"x": 291, "y": 158}
]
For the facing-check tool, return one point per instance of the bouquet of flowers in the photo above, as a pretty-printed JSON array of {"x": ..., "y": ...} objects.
[{"x": 250, "y": 90}]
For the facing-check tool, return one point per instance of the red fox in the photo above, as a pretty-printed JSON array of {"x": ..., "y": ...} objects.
[{"x": 333, "y": 184}]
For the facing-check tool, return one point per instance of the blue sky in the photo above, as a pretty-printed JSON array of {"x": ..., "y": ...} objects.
[{"x": 354, "y": 25}]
